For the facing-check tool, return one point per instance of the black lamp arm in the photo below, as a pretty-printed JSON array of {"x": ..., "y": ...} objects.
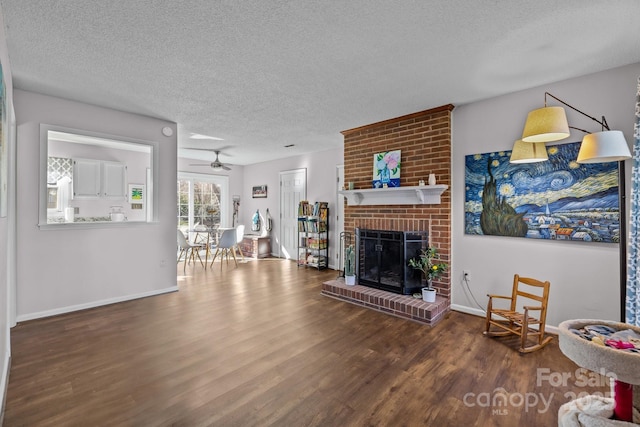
[
  {"x": 581, "y": 130},
  {"x": 602, "y": 122}
]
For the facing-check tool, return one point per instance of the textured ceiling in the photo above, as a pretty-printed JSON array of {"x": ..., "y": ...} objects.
[{"x": 264, "y": 74}]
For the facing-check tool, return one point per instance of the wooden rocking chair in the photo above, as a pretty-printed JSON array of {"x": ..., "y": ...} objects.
[{"x": 513, "y": 322}]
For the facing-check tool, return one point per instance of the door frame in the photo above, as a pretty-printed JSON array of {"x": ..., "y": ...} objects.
[{"x": 281, "y": 234}]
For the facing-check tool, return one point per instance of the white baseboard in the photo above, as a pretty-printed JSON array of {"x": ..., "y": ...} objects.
[
  {"x": 468, "y": 310},
  {"x": 551, "y": 329},
  {"x": 477, "y": 312},
  {"x": 93, "y": 304}
]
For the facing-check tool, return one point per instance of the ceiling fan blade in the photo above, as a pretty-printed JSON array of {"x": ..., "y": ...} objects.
[
  {"x": 200, "y": 164},
  {"x": 216, "y": 165},
  {"x": 219, "y": 166}
]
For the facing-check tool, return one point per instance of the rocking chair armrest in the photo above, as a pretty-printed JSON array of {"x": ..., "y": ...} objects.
[
  {"x": 498, "y": 296},
  {"x": 529, "y": 307}
]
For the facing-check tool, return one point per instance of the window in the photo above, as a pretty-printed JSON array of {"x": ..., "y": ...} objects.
[
  {"x": 86, "y": 176},
  {"x": 202, "y": 201}
]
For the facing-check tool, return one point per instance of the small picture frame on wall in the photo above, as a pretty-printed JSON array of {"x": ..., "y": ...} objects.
[
  {"x": 136, "y": 194},
  {"x": 259, "y": 192}
]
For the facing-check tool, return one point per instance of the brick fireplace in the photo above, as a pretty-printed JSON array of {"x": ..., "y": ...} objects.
[{"x": 425, "y": 140}]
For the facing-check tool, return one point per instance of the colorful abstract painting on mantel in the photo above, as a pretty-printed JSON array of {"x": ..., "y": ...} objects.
[
  {"x": 386, "y": 169},
  {"x": 558, "y": 199}
]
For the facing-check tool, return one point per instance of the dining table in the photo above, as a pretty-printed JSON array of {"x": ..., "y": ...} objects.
[
  {"x": 205, "y": 236},
  {"x": 208, "y": 236}
]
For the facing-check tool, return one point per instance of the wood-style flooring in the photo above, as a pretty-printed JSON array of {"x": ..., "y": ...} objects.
[{"x": 258, "y": 345}]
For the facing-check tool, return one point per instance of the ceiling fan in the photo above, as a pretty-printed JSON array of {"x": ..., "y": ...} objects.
[{"x": 216, "y": 165}]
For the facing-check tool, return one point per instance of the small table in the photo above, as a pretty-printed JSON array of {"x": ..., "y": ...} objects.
[{"x": 255, "y": 246}]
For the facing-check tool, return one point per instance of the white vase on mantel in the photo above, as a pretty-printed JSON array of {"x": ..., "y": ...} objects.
[{"x": 432, "y": 179}]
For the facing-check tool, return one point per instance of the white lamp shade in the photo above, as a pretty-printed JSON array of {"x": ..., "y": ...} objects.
[
  {"x": 528, "y": 152},
  {"x": 545, "y": 125},
  {"x": 602, "y": 147}
]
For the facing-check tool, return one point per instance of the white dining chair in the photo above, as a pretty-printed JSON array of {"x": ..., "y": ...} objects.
[
  {"x": 189, "y": 250},
  {"x": 239, "y": 237},
  {"x": 226, "y": 245}
]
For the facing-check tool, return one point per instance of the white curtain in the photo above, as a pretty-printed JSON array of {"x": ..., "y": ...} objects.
[{"x": 633, "y": 285}]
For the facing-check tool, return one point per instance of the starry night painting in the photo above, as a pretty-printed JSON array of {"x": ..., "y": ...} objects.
[{"x": 558, "y": 199}]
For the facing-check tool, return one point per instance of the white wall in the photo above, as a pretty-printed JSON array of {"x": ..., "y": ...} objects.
[
  {"x": 7, "y": 226},
  {"x": 67, "y": 269},
  {"x": 584, "y": 276},
  {"x": 321, "y": 186}
]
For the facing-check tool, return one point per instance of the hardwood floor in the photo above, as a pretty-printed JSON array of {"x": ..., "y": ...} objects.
[{"x": 258, "y": 345}]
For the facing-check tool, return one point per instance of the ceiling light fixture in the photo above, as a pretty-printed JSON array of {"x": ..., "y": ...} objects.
[{"x": 550, "y": 124}]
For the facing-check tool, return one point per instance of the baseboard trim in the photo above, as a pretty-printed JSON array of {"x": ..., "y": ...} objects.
[
  {"x": 4, "y": 383},
  {"x": 468, "y": 310},
  {"x": 477, "y": 312},
  {"x": 93, "y": 304}
]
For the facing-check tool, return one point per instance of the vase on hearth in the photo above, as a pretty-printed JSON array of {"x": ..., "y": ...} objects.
[{"x": 429, "y": 293}]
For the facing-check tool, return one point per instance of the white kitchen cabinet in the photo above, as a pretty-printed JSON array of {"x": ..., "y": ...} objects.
[
  {"x": 86, "y": 179},
  {"x": 114, "y": 180},
  {"x": 94, "y": 178}
]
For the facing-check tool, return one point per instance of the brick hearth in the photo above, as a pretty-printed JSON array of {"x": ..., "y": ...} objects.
[{"x": 405, "y": 306}]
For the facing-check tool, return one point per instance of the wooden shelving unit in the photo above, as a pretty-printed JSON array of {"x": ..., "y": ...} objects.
[{"x": 313, "y": 234}]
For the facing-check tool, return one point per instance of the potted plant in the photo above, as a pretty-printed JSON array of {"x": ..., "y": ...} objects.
[
  {"x": 428, "y": 262},
  {"x": 349, "y": 266}
]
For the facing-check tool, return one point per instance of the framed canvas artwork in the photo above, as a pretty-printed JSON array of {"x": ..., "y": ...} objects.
[
  {"x": 136, "y": 194},
  {"x": 386, "y": 169},
  {"x": 259, "y": 192},
  {"x": 558, "y": 199}
]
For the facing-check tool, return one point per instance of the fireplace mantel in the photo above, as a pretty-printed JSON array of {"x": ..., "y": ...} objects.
[{"x": 418, "y": 195}]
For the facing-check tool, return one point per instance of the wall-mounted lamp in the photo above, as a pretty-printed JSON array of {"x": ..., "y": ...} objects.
[
  {"x": 550, "y": 124},
  {"x": 528, "y": 152},
  {"x": 546, "y": 124},
  {"x": 601, "y": 147}
]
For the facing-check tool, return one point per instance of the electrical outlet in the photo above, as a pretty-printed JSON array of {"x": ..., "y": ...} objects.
[{"x": 467, "y": 275}]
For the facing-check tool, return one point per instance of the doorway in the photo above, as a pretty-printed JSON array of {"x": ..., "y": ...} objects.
[
  {"x": 202, "y": 201},
  {"x": 293, "y": 189}
]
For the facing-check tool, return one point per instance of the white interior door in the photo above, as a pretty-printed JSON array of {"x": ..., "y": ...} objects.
[{"x": 293, "y": 189}]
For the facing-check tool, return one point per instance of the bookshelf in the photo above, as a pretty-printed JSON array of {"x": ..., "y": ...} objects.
[{"x": 313, "y": 234}]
